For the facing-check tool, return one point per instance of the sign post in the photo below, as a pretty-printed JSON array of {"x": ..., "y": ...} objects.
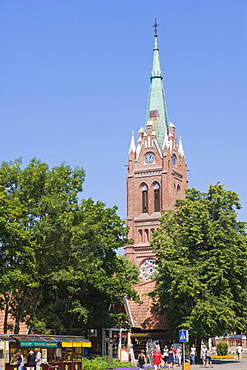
[{"x": 183, "y": 336}]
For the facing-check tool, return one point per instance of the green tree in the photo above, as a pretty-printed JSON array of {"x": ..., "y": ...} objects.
[
  {"x": 29, "y": 198},
  {"x": 202, "y": 264},
  {"x": 58, "y": 256},
  {"x": 86, "y": 286},
  {"x": 16, "y": 260}
]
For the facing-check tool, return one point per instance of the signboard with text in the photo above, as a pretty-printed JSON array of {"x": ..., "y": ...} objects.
[{"x": 38, "y": 344}]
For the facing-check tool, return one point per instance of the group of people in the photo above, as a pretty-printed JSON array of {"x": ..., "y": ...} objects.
[
  {"x": 169, "y": 357},
  {"x": 33, "y": 360},
  {"x": 206, "y": 356},
  {"x": 172, "y": 355}
]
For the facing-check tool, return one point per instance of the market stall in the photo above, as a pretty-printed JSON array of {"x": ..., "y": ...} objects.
[{"x": 65, "y": 352}]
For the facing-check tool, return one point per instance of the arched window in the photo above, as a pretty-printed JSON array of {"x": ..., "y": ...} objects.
[
  {"x": 156, "y": 198},
  {"x": 144, "y": 199},
  {"x": 146, "y": 235},
  {"x": 178, "y": 192},
  {"x": 140, "y": 236}
]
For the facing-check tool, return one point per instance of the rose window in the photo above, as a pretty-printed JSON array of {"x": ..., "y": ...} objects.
[{"x": 147, "y": 268}]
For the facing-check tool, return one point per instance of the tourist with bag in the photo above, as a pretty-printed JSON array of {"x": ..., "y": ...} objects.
[{"x": 141, "y": 360}]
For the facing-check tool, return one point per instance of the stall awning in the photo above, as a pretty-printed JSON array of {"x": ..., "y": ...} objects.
[
  {"x": 39, "y": 340},
  {"x": 35, "y": 341},
  {"x": 81, "y": 343},
  {"x": 6, "y": 338},
  {"x": 153, "y": 335}
]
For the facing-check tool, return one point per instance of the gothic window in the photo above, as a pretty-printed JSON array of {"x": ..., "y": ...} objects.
[
  {"x": 156, "y": 198},
  {"x": 178, "y": 192},
  {"x": 144, "y": 199}
]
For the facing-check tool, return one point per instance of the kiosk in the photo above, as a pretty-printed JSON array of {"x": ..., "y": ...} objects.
[{"x": 65, "y": 352}]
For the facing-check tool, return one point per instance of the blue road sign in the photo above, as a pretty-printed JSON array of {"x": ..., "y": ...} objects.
[{"x": 183, "y": 336}]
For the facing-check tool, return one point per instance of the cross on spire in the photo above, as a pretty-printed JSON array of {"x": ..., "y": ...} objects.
[{"x": 155, "y": 27}]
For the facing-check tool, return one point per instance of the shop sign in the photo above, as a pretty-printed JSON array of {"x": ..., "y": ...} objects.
[{"x": 38, "y": 344}]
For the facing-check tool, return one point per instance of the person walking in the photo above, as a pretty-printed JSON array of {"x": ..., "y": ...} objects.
[
  {"x": 157, "y": 357},
  {"x": 165, "y": 354},
  {"x": 20, "y": 360},
  {"x": 208, "y": 357},
  {"x": 179, "y": 355},
  {"x": 239, "y": 352},
  {"x": 193, "y": 354},
  {"x": 203, "y": 355},
  {"x": 141, "y": 359},
  {"x": 171, "y": 358},
  {"x": 37, "y": 358},
  {"x": 31, "y": 361}
]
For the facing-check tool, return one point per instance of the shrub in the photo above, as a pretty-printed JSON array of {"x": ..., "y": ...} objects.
[
  {"x": 222, "y": 349},
  {"x": 102, "y": 363}
]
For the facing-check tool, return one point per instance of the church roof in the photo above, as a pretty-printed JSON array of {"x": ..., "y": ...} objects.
[
  {"x": 156, "y": 109},
  {"x": 140, "y": 314}
]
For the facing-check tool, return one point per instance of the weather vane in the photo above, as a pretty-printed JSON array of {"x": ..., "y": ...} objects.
[{"x": 155, "y": 27}]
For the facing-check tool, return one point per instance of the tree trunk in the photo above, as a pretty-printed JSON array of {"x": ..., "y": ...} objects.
[
  {"x": 7, "y": 299},
  {"x": 5, "y": 324},
  {"x": 17, "y": 323},
  {"x": 17, "y": 326},
  {"x": 198, "y": 342},
  {"x": 70, "y": 327}
]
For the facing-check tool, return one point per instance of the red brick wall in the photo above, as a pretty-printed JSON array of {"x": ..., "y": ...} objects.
[{"x": 172, "y": 180}]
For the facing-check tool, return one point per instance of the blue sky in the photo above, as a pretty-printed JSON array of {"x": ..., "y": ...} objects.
[{"x": 75, "y": 79}]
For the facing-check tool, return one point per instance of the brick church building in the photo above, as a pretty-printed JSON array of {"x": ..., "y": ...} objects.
[{"x": 156, "y": 178}]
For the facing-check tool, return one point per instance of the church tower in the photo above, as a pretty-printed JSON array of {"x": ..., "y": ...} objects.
[{"x": 156, "y": 172}]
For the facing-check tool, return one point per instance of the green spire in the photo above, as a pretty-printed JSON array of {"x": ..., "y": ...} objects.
[{"x": 156, "y": 110}]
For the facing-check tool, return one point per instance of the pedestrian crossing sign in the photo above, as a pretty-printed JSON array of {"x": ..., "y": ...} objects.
[{"x": 183, "y": 336}]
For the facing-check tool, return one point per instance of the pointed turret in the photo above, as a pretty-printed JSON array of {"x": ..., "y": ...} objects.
[
  {"x": 156, "y": 110},
  {"x": 166, "y": 142},
  {"x": 180, "y": 147},
  {"x": 132, "y": 148}
]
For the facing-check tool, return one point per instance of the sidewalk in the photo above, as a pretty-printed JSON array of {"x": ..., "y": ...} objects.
[{"x": 233, "y": 364}]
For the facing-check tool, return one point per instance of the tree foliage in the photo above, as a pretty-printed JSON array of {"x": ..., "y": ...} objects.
[
  {"x": 59, "y": 267},
  {"x": 202, "y": 263},
  {"x": 89, "y": 277}
]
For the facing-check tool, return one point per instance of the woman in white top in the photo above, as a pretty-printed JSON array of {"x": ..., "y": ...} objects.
[
  {"x": 193, "y": 354},
  {"x": 165, "y": 354}
]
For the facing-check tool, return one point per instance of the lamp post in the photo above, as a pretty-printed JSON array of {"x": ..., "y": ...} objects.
[{"x": 111, "y": 348}]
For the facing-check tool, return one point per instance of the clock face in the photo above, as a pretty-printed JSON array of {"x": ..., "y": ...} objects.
[
  {"x": 174, "y": 159},
  {"x": 149, "y": 157},
  {"x": 147, "y": 268}
]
